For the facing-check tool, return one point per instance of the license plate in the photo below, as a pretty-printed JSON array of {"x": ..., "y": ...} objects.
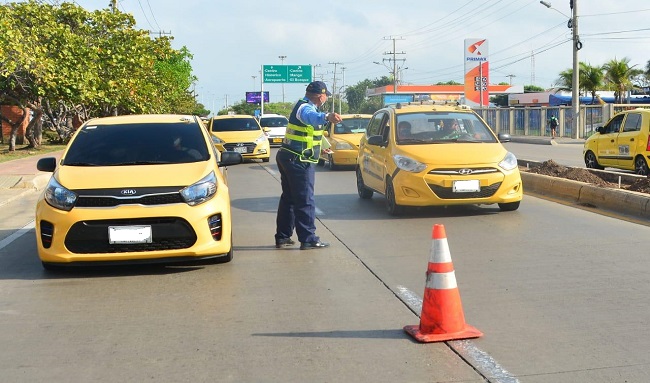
[
  {"x": 240, "y": 149},
  {"x": 129, "y": 234},
  {"x": 466, "y": 186},
  {"x": 277, "y": 140}
]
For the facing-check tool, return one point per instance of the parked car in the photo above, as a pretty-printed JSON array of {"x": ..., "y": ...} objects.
[
  {"x": 428, "y": 154},
  {"x": 344, "y": 140},
  {"x": 242, "y": 134},
  {"x": 275, "y": 126},
  {"x": 136, "y": 189},
  {"x": 623, "y": 143}
]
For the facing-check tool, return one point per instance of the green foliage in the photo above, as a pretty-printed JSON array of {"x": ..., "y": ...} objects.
[
  {"x": 533, "y": 89},
  {"x": 89, "y": 63},
  {"x": 356, "y": 95}
]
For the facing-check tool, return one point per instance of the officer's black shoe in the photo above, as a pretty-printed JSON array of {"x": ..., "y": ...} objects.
[
  {"x": 313, "y": 245},
  {"x": 284, "y": 242}
]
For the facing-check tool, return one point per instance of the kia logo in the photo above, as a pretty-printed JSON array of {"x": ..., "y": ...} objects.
[
  {"x": 465, "y": 171},
  {"x": 128, "y": 192}
]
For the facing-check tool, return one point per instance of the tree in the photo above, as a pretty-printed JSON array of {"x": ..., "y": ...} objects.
[
  {"x": 356, "y": 97},
  {"x": 591, "y": 79},
  {"x": 619, "y": 75},
  {"x": 69, "y": 64}
]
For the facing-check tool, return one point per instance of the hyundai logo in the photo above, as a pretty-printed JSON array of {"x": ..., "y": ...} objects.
[
  {"x": 128, "y": 192},
  {"x": 465, "y": 171},
  {"x": 240, "y": 144}
]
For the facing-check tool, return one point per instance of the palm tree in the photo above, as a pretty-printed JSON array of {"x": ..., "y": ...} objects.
[
  {"x": 591, "y": 79},
  {"x": 619, "y": 74}
]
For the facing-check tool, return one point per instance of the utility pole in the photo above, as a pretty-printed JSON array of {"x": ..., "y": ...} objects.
[
  {"x": 342, "y": 87},
  {"x": 334, "y": 82},
  {"x": 282, "y": 59},
  {"x": 575, "y": 94},
  {"x": 113, "y": 6},
  {"x": 394, "y": 53},
  {"x": 511, "y": 76}
]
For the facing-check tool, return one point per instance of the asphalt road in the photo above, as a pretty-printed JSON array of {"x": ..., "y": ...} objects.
[{"x": 559, "y": 293}]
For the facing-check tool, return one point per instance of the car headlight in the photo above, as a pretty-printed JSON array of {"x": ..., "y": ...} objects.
[
  {"x": 217, "y": 140},
  {"x": 509, "y": 162},
  {"x": 58, "y": 196},
  {"x": 261, "y": 139},
  {"x": 408, "y": 164},
  {"x": 200, "y": 191},
  {"x": 342, "y": 145}
]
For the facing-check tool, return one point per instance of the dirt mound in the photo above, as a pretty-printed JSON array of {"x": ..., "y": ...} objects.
[{"x": 553, "y": 169}]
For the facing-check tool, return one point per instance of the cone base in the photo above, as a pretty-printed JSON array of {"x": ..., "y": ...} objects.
[{"x": 466, "y": 333}]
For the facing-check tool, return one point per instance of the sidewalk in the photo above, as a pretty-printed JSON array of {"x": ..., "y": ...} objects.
[
  {"x": 20, "y": 177},
  {"x": 545, "y": 140}
]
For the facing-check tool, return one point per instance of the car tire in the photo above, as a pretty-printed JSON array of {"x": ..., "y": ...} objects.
[
  {"x": 391, "y": 204},
  {"x": 510, "y": 206},
  {"x": 364, "y": 192},
  {"x": 640, "y": 166},
  {"x": 330, "y": 163},
  {"x": 591, "y": 161}
]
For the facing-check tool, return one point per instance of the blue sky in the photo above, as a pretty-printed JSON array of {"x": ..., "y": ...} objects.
[{"x": 528, "y": 43}]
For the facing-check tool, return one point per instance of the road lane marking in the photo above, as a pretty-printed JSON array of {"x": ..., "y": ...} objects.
[
  {"x": 481, "y": 361},
  {"x": 14, "y": 236}
]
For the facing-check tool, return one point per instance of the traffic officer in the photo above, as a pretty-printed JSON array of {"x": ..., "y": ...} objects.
[{"x": 296, "y": 160}]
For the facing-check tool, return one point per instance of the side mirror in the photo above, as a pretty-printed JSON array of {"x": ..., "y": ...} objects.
[
  {"x": 376, "y": 140},
  {"x": 47, "y": 164},
  {"x": 228, "y": 158},
  {"x": 326, "y": 133},
  {"x": 600, "y": 129},
  {"x": 504, "y": 137}
]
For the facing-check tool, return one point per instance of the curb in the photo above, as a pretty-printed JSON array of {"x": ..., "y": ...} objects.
[{"x": 618, "y": 201}]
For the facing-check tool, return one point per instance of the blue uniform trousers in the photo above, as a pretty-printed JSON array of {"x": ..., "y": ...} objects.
[{"x": 297, "y": 208}]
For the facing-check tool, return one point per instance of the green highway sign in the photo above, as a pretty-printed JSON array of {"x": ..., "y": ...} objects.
[{"x": 286, "y": 73}]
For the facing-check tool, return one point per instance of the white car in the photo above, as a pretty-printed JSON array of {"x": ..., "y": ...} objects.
[{"x": 275, "y": 126}]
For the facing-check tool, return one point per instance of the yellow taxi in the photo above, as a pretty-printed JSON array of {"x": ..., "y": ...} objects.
[
  {"x": 623, "y": 143},
  {"x": 242, "y": 134},
  {"x": 429, "y": 154},
  {"x": 344, "y": 140},
  {"x": 136, "y": 189}
]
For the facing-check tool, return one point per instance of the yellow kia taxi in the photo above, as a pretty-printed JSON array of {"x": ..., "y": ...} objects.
[
  {"x": 242, "y": 134},
  {"x": 136, "y": 189},
  {"x": 623, "y": 143},
  {"x": 427, "y": 154},
  {"x": 344, "y": 140}
]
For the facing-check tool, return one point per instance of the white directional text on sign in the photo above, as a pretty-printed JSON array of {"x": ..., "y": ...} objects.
[{"x": 286, "y": 73}]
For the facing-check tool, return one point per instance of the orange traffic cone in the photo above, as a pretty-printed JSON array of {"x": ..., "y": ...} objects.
[{"x": 442, "y": 315}]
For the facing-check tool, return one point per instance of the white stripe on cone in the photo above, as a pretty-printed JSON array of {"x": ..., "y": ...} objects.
[
  {"x": 441, "y": 281},
  {"x": 440, "y": 251}
]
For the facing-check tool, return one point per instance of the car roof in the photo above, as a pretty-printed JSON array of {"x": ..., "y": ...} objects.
[
  {"x": 347, "y": 116},
  {"x": 225, "y": 116},
  {"x": 428, "y": 106},
  {"x": 142, "y": 118}
]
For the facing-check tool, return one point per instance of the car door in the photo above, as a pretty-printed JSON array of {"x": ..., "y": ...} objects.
[
  {"x": 372, "y": 157},
  {"x": 607, "y": 149},
  {"x": 630, "y": 141}
]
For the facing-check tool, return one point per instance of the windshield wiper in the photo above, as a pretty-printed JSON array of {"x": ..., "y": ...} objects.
[
  {"x": 79, "y": 164},
  {"x": 138, "y": 163}
]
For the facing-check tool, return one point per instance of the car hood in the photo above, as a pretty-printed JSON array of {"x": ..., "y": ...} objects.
[
  {"x": 104, "y": 177},
  {"x": 241, "y": 136},
  {"x": 456, "y": 154},
  {"x": 353, "y": 139}
]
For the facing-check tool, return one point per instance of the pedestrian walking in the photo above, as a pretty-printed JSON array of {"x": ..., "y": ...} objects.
[
  {"x": 553, "y": 122},
  {"x": 296, "y": 161}
]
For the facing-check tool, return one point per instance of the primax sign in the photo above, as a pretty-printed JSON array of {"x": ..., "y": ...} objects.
[{"x": 286, "y": 73}]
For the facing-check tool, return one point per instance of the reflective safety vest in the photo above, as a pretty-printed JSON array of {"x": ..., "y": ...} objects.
[{"x": 301, "y": 139}]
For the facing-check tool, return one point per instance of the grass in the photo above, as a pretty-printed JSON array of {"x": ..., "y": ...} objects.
[{"x": 23, "y": 151}]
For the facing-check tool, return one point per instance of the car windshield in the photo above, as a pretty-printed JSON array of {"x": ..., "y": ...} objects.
[
  {"x": 441, "y": 127},
  {"x": 352, "y": 125},
  {"x": 137, "y": 144},
  {"x": 234, "y": 124},
  {"x": 273, "y": 122}
]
